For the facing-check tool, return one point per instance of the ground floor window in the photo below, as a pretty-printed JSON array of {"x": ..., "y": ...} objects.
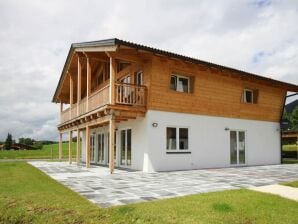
[{"x": 177, "y": 138}]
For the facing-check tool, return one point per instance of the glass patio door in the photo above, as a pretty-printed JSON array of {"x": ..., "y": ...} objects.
[
  {"x": 125, "y": 147},
  {"x": 92, "y": 148},
  {"x": 237, "y": 147},
  {"x": 101, "y": 148}
]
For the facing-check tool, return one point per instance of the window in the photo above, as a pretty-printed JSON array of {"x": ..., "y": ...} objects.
[
  {"x": 171, "y": 138},
  {"x": 179, "y": 83},
  {"x": 139, "y": 78},
  {"x": 177, "y": 135},
  {"x": 125, "y": 79},
  {"x": 250, "y": 96}
]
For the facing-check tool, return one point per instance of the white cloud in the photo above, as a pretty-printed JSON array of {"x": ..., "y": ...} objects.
[{"x": 259, "y": 36}]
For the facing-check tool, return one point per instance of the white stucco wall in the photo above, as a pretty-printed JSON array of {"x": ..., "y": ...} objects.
[{"x": 209, "y": 143}]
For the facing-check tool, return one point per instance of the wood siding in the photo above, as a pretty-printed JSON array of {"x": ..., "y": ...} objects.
[{"x": 215, "y": 93}]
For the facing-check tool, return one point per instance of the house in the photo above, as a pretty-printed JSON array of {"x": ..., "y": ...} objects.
[{"x": 147, "y": 109}]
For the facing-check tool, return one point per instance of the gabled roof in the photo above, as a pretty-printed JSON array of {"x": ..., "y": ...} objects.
[{"x": 118, "y": 42}]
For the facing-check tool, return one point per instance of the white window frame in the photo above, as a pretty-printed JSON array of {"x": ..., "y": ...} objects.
[
  {"x": 244, "y": 96},
  {"x": 178, "y": 139},
  {"x": 183, "y": 77}
]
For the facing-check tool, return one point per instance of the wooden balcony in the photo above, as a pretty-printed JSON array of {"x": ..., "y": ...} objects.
[{"x": 125, "y": 94}]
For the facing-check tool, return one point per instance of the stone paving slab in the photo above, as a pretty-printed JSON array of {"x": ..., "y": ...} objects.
[{"x": 125, "y": 187}]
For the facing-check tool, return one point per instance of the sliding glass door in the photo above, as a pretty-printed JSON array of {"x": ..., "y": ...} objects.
[
  {"x": 101, "y": 148},
  {"x": 237, "y": 147},
  {"x": 92, "y": 148},
  {"x": 125, "y": 147}
]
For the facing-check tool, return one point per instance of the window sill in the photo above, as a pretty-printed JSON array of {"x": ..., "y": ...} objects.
[
  {"x": 178, "y": 92},
  {"x": 178, "y": 152},
  {"x": 245, "y": 103}
]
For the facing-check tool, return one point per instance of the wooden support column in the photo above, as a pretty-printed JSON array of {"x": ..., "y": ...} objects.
[
  {"x": 79, "y": 86},
  {"x": 113, "y": 71},
  {"x": 111, "y": 143},
  {"x": 87, "y": 146},
  {"x": 70, "y": 93},
  {"x": 88, "y": 83},
  {"x": 61, "y": 110},
  {"x": 60, "y": 146},
  {"x": 70, "y": 147},
  {"x": 78, "y": 146}
]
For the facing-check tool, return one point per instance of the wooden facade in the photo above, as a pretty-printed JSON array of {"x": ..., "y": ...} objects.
[
  {"x": 215, "y": 93},
  {"x": 93, "y": 86}
]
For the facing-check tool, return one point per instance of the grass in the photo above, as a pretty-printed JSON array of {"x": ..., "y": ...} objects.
[
  {"x": 44, "y": 153},
  {"x": 289, "y": 161},
  {"x": 292, "y": 147},
  {"x": 29, "y": 196},
  {"x": 291, "y": 184}
]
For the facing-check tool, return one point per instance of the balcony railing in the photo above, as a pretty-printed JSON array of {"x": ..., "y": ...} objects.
[
  {"x": 130, "y": 94},
  {"x": 126, "y": 94}
]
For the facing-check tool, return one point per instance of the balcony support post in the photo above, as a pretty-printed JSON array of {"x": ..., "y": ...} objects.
[
  {"x": 79, "y": 86},
  {"x": 88, "y": 83},
  {"x": 87, "y": 147},
  {"x": 111, "y": 143},
  {"x": 70, "y": 147},
  {"x": 60, "y": 146},
  {"x": 70, "y": 94},
  {"x": 61, "y": 110},
  {"x": 112, "y": 80},
  {"x": 78, "y": 146}
]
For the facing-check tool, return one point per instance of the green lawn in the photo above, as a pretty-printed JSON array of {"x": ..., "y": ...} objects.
[
  {"x": 44, "y": 153},
  {"x": 29, "y": 196},
  {"x": 289, "y": 161},
  {"x": 291, "y": 184},
  {"x": 292, "y": 147},
  {"x": 289, "y": 149}
]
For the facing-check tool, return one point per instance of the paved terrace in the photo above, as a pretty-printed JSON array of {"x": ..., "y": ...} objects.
[{"x": 124, "y": 187}]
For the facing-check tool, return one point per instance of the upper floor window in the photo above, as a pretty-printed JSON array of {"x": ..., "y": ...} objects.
[
  {"x": 250, "y": 96},
  {"x": 180, "y": 83},
  {"x": 125, "y": 79}
]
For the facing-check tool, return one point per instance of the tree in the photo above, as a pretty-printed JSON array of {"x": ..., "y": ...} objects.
[
  {"x": 285, "y": 115},
  {"x": 8, "y": 142},
  {"x": 294, "y": 119},
  {"x": 26, "y": 141}
]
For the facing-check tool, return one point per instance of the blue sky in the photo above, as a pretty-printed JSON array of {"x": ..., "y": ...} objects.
[{"x": 258, "y": 36}]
